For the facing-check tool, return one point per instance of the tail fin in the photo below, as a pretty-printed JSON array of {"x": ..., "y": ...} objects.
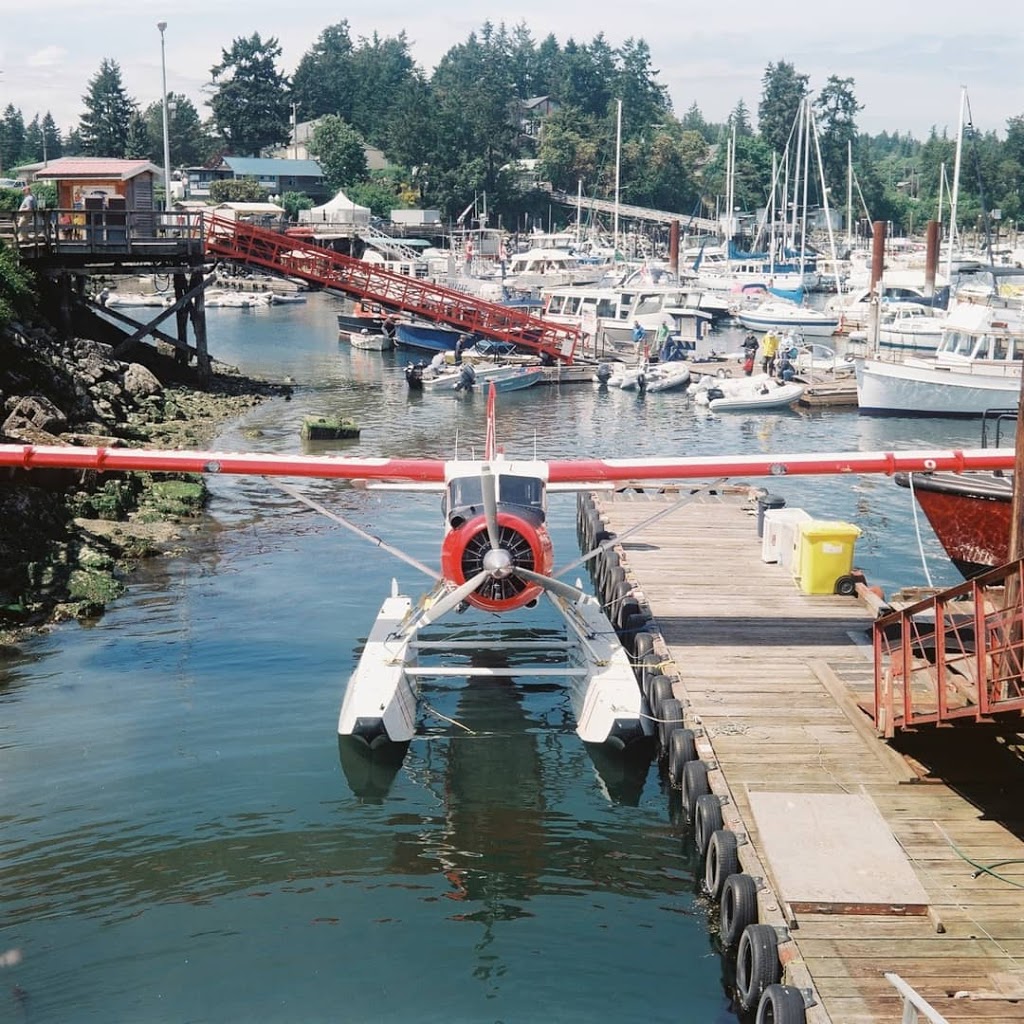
[{"x": 491, "y": 443}]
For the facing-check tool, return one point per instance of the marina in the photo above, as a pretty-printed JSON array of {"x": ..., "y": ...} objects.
[{"x": 507, "y": 855}]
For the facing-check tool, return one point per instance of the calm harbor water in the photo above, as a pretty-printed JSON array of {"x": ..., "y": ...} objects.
[{"x": 179, "y": 841}]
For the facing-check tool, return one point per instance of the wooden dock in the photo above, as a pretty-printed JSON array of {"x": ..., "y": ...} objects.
[{"x": 769, "y": 679}]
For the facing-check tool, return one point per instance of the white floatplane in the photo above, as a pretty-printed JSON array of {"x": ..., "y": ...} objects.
[{"x": 497, "y": 556}]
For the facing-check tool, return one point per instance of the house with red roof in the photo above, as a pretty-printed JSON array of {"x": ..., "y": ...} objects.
[{"x": 79, "y": 178}]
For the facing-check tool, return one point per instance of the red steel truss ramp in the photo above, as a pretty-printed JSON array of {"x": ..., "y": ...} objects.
[{"x": 297, "y": 258}]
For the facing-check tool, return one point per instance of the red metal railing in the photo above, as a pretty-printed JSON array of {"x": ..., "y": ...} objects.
[
  {"x": 954, "y": 656},
  {"x": 297, "y": 258}
]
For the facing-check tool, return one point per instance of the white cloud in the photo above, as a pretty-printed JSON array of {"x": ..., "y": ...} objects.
[{"x": 48, "y": 57}]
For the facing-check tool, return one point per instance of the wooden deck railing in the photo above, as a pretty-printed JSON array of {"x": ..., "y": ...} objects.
[{"x": 39, "y": 234}]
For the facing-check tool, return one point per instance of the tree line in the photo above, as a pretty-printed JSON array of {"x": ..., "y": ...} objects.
[{"x": 472, "y": 127}]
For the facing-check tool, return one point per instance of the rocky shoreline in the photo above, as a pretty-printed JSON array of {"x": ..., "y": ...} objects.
[{"x": 68, "y": 539}]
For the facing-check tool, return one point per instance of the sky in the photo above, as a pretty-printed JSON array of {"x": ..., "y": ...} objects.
[{"x": 908, "y": 61}]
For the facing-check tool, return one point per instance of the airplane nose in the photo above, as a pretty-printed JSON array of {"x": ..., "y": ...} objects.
[{"x": 498, "y": 562}]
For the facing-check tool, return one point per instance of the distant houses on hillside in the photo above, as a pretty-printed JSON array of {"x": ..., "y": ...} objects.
[{"x": 274, "y": 176}]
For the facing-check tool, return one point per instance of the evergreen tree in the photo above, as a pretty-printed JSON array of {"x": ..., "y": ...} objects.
[
  {"x": 32, "y": 151},
  {"x": 53, "y": 143},
  {"x": 782, "y": 89},
  {"x": 140, "y": 145},
  {"x": 740, "y": 119},
  {"x": 323, "y": 80},
  {"x": 190, "y": 144},
  {"x": 836, "y": 110},
  {"x": 250, "y": 105},
  {"x": 12, "y": 137},
  {"x": 103, "y": 128}
]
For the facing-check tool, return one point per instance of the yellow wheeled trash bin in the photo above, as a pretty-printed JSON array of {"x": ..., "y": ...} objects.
[{"x": 824, "y": 561}]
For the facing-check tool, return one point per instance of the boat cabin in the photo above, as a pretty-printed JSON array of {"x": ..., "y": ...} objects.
[{"x": 985, "y": 335}]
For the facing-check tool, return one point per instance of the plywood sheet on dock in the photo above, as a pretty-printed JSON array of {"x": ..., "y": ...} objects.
[{"x": 834, "y": 852}]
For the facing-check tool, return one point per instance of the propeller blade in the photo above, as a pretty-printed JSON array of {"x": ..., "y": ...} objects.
[
  {"x": 342, "y": 521},
  {"x": 489, "y": 486},
  {"x": 620, "y": 537},
  {"x": 570, "y": 593},
  {"x": 452, "y": 599}
]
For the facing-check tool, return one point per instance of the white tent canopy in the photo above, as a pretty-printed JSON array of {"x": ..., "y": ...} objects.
[{"x": 339, "y": 210}]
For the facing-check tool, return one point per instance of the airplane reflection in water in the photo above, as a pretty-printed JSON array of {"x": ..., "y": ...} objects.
[{"x": 488, "y": 715}]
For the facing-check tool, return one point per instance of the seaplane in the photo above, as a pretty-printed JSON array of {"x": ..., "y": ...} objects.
[{"x": 496, "y": 556}]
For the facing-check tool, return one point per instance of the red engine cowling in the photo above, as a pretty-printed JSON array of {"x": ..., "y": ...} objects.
[{"x": 527, "y": 542}]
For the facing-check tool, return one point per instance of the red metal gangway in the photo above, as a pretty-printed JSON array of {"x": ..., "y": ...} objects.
[
  {"x": 955, "y": 656},
  {"x": 296, "y": 258}
]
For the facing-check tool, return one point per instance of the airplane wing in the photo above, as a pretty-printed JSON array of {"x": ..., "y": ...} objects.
[
  {"x": 27, "y": 456},
  {"x": 562, "y": 474},
  {"x": 586, "y": 472}
]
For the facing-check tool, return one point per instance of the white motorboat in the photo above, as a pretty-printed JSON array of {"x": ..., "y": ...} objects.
[
  {"x": 907, "y": 325},
  {"x": 780, "y": 315},
  {"x": 372, "y": 341},
  {"x": 466, "y": 377},
  {"x": 746, "y": 394},
  {"x": 976, "y": 367}
]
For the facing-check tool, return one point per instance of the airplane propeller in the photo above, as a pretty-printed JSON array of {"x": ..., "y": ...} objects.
[{"x": 452, "y": 599}]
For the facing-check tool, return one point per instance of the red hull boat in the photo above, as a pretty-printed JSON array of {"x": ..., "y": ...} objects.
[{"x": 970, "y": 515}]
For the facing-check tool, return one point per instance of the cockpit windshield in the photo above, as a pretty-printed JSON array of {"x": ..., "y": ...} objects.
[{"x": 465, "y": 494}]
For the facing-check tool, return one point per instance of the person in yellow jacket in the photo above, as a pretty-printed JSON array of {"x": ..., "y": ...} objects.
[{"x": 769, "y": 350}]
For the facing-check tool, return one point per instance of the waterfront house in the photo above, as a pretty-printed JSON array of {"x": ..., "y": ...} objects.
[{"x": 274, "y": 176}]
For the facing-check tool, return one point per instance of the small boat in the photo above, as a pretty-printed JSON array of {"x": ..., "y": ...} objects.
[
  {"x": 671, "y": 376},
  {"x": 378, "y": 341},
  {"x": 426, "y": 337},
  {"x": 907, "y": 325},
  {"x": 746, "y": 394},
  {"x": 370, "y": 315},
  {"x": 467, "y": 377}
]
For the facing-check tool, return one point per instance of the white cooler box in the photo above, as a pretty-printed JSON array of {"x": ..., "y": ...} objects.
[{"x": 780, "y": 534}]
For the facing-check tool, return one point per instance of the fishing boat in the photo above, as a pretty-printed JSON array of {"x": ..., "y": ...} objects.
[
  {"x": 976, "y": 367},
  {"x": 759, "y": 393},
  {"x": 425, "y": 337},
  {"x": 370, "y": 315}
]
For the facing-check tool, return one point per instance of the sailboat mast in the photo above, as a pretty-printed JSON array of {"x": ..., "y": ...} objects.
[
  {"x": 849, "y": 193},
  {"x": 796, "y": 171},
  {"x": 579, "y": 207},
  {"x": 807, "y": 175},
  {"x": 956, "y": 183},
  {"x": 618, "y": 169}
]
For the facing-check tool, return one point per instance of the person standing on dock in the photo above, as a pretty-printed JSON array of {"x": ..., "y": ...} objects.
[
  {"x": 769, "y": 351},
  {"x": 749, "y": 352}
]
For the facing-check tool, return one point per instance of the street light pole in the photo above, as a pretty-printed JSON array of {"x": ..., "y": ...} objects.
[{"x": 167, "y": 145}]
